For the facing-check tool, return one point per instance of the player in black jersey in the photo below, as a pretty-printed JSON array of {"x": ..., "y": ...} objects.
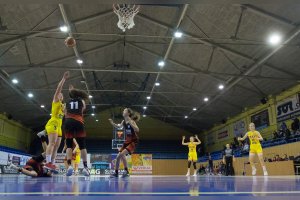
[
  {"x": 131, "y": 130},
  {"x": 74, "y": 127},
  {"x": 34, "y": 167}
]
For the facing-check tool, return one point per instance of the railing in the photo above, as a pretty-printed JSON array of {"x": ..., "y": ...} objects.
[{"x": 11, "y": 150}]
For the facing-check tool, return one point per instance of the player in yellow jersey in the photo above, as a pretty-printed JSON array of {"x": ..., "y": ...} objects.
[
  {"x": 255, "y": 148},
  {"x": 192, "y": 152},
  {"x": 75, "y": 156},
  {"x": 76, "y": 160},
  {"x": 53, "y": 127}
]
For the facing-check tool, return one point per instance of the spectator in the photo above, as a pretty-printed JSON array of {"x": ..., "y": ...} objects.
[
  {"x": 236, "y": 142},
  {"x": 295, "y": 125},
  {"x": 297, "y": 159},
  {"x": 287, "y": 134},
  {"x": 277, "y": 158},
  {"x": 233, "y": 145},
  {"x": 222, "y": 168},
  {"x": 241, "y": 146},
  {"x": 243, "y": 142},
  {"x": 297, "y": 134},
  {"x": 216, "y": 169},
  {"x": 246, "y": 147},
  {"x": 292, "y": 134},
  {"x": 280, "y": 133},
  {"x": 275, "y": 135},
  {"x": 283, "y": 126},
  {"x": 285, "y": 158},
  {"x": 210, "y": 165},
  {"x": 201, "y": 170}
]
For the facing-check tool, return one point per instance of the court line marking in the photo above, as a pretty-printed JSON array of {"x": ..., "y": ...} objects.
[{"x": 144, "y": 193}]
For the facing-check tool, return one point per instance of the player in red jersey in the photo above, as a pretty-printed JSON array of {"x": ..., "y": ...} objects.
[
  {"x": 34, "y": 167},
  {"x": 131, "y": 130}
]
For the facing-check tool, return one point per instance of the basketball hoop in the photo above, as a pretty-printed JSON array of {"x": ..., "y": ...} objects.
[{"x": 126, "y": 13}]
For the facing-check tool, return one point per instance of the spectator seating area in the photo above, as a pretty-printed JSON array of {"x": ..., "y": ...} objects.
[
  {"x": 240, "y": 152},
  {"x": 164, "y": 149},
  {"x": 174, "y": 150},
  {"x": 283, "y": 135}
]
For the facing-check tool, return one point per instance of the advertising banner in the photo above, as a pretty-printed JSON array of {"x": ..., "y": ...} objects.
[
  {"x": 17, "y": 159},
  {"x": 239, "y": 128},
  {"x": 288, "y": 108},
  {"x": 3, "y": 158},
  {"x": 60, "y": 162},
  {"x": 141, "y": 163},
  {"x": 261, "y": 119},
  {"x": 101, "y": 164},
  {"x": 222, "y": 135},
  {"x": 7, "y": 170}
]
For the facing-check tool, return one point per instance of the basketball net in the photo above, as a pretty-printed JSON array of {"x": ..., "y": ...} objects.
[{"x": 126, "y": 13}]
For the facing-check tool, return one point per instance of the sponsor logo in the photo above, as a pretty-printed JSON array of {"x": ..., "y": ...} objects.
[
  {"x": 288, "y": 108},
  {"x": 7, "y": 170},
  {"x": 223, "y": 134}
]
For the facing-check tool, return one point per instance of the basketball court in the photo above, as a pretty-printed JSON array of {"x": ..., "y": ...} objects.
[
  {"x": 211, "y": 186},
  {"x": 149, "y": 99}
]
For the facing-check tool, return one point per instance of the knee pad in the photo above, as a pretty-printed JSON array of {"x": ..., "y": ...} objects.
[
  {"x": 189, "y": 164},
  {"x": 43, "y": 138},
  {"x": 69, "y": 142},
  {"x": 81, "y": 143},
  {"x": 194, "y": 164}
]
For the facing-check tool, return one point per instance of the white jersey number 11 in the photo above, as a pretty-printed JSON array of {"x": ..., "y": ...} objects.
[{"x": 74, "y": 104}]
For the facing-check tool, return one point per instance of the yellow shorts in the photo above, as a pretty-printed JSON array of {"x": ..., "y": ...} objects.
[
  {"x": 77, "y": 159},
  {"x": 193, "y": 157},
  {"x": 255, "y": 149},
  {"x": 53, "y": 127}
]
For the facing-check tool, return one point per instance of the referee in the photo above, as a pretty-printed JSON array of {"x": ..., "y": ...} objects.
[{"x": 228, "y": 159}]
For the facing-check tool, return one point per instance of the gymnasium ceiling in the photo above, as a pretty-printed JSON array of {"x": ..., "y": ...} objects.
[{"x": 221, "y": 44}]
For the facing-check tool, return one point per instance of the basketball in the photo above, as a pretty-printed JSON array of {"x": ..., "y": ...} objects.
[
  {"x": 70, "y": 42},
  {"x": 191, "y": 99}
]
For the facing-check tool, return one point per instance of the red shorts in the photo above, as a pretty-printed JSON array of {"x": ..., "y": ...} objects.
[
  {"x": 129, "y": 146},
  {"x": 74, "y": 129}
]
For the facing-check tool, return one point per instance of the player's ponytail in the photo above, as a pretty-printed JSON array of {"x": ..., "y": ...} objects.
[
  {"x": 135, "y": 116},
  {"x": 76, "y": 93}
]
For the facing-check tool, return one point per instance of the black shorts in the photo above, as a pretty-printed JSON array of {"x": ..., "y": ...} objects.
[
  {"x": 73, "y": 128},
  {"x": 35, "y": 165}
]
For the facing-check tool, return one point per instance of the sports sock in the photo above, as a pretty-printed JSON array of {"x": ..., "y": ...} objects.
[{"x": 48, "y": 158}]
